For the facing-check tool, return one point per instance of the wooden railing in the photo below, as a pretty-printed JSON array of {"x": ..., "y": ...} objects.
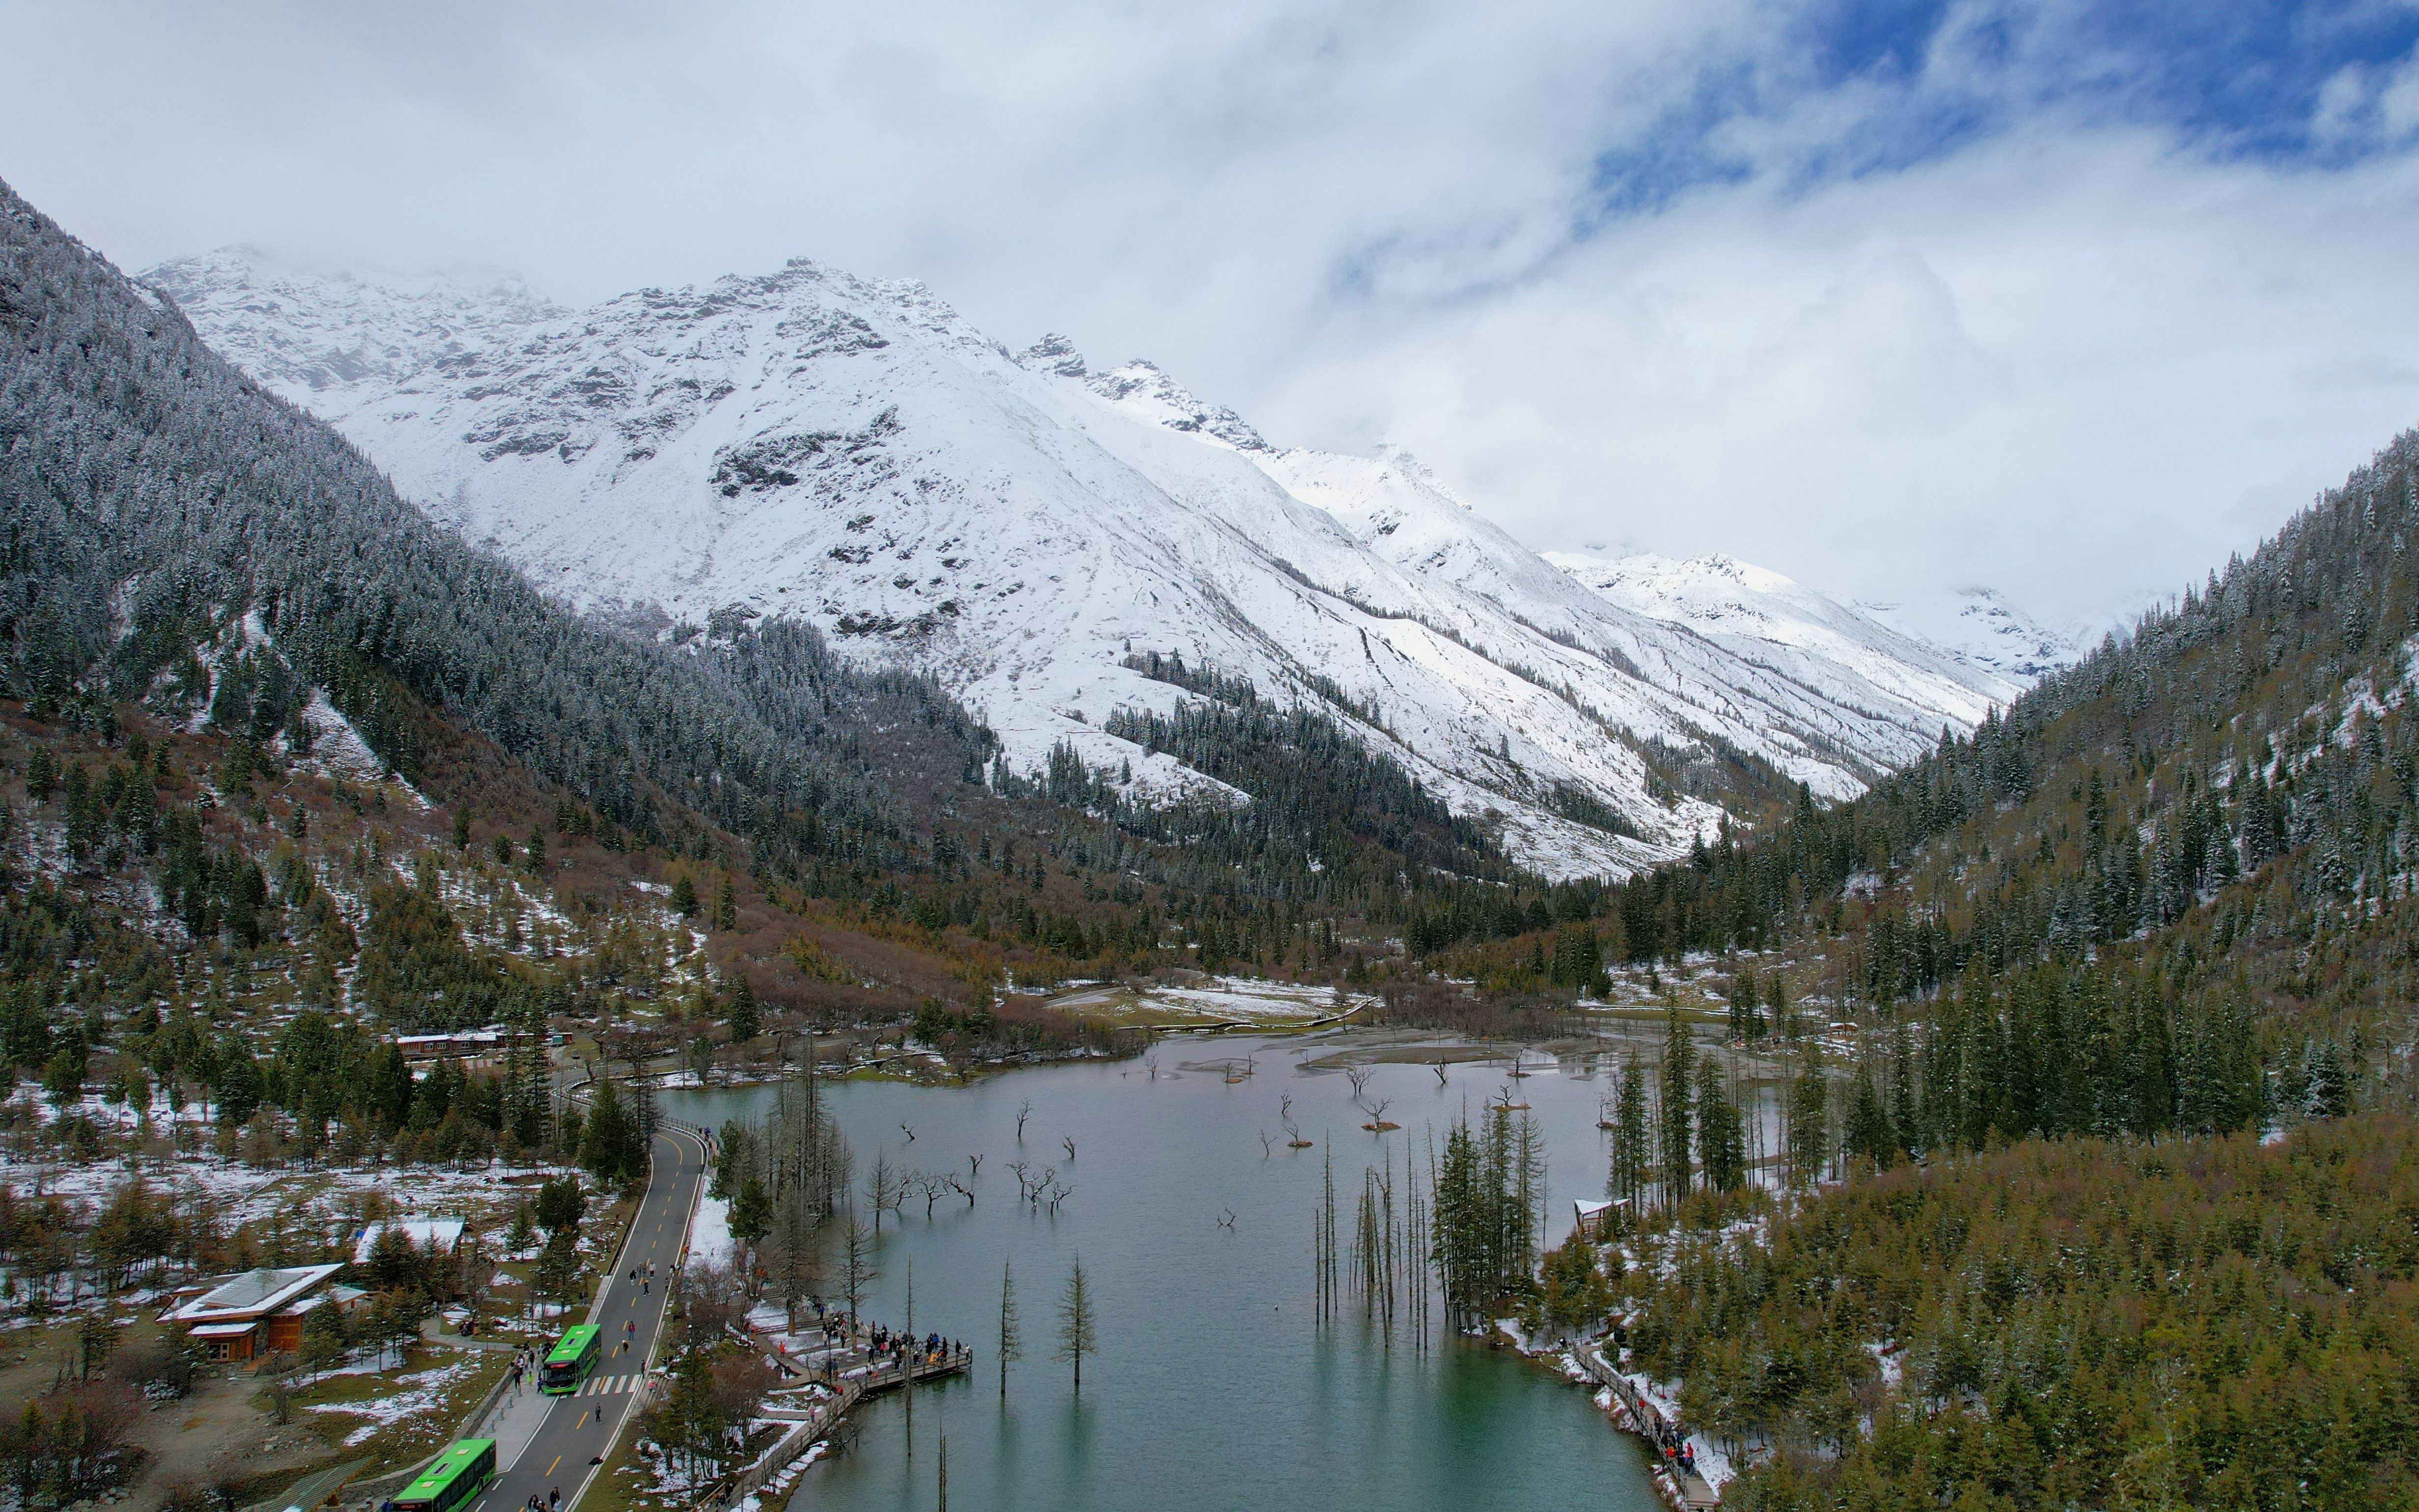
[
  {"x": 1652, "y": 1425},
  {"x": 850, "y": 1388}
]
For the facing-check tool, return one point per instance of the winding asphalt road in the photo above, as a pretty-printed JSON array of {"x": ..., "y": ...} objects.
[{"x": 580, "y": 1429}]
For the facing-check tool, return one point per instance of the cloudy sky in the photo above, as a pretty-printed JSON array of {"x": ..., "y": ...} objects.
[{"x": 2068, "y": 299}]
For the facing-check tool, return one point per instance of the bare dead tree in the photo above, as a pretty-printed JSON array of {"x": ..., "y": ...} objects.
[
  {"x": 883, "y": 1188},
  {"x": 1030, "y": 1186},
  {"x": 1359, "y": 1077},
  {"x": 974, "y": 1167},
  {"x": 1068, "y": 1140},
  {"x": 1023, "y": 1112}
]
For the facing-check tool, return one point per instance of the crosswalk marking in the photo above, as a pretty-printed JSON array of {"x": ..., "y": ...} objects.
[{"x": 607, "y": 1386}]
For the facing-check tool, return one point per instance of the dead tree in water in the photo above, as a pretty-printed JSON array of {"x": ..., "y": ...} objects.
[
  {"x": 857, "y": 1269},
  {"x": 883, "y": 1188},
  {"x": 1323, "y": 1244},
  {"x": 1011, "y": 1339},
  {"x": 1390, "y": 1250}
]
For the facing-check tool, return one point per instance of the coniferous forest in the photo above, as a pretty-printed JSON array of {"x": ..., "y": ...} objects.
[{"x": 2092, "y": 1038}]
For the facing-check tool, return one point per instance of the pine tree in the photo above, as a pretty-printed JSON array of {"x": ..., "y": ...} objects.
[
  {"x": 747, "y": 1019},
  {"x": 1720, "y": 1136},
  {"x": 1868, "y": 1133},
  {"x": 1679, "y": 1084},
  {"x": 609, "y": 1145},
  {"x": 1808, "y": 1130},
  {"x": 726, "y": 906},
  {"x": 1078, "y": 1328},
  {"x": 1633, "y": 1146},
  {"x": 751, "y": 1215}
]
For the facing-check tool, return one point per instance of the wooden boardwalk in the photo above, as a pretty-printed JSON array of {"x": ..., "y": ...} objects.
[
  {"x": 1689, "y": 1489},
  {"x": 853, "y": 1374}
]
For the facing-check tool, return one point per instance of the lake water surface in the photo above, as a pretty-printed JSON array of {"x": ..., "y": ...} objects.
[{"x": 1214, "y": 1386}]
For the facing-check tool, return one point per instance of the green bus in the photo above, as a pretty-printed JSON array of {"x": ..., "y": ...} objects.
[
  {"x": 459, "y": 1474},
  {"x": 574, "y": 1355}
]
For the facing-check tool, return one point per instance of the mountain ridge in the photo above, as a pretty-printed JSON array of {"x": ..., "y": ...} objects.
[{"x": 851, "y": 453}]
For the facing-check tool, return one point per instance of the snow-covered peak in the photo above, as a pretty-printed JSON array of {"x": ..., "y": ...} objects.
[
  {"x": 809, "y": 444},
  {"x": 1983, "y": 627},
  {"x": 1145, "y": 392},
  {"x": 1760, "y": 613},
  {"x": 1714, "y": 582},
  {"x": 300, "y": 329},
  {"x": 1053, "y": 353}
]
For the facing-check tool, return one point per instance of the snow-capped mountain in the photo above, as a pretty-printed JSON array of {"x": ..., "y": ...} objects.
[
  {"x": 1762, "y": 617},
  {"x": 853, "y": 452},
  {"x": 1983, "y": 628}
]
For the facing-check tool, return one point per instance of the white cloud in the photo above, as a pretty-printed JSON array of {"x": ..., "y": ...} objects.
[
  {"x": 2075, "y": 360},
  {"x": 2051, "y": 366}
]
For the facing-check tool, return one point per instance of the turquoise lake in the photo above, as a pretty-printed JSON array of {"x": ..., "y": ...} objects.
[{"x": 1215, "y": 1385}]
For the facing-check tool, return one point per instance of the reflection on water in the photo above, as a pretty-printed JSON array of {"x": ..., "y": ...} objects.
[{"x": 1213, "y": 1386}]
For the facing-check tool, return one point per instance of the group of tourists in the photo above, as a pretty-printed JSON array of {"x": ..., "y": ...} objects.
[
  {"x": 524, "y": 1361},
  {"x": 882, "y": 1345},
  {"x": 930, "y": 1350},
  {"x": 1673, "y": 1440}
]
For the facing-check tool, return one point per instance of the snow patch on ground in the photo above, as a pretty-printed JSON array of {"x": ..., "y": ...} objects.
[
  {"x": 337, "y": 748},
  {"x": 709, "y": 1233},
  {"x": 1261, "y": 1001},
  {"x": 416, "y": 1395}
]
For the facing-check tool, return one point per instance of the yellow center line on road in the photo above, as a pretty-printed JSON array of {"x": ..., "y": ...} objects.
[
  {"x": 558, "y": 1459},
  {"x": 583, "y": 1423}
]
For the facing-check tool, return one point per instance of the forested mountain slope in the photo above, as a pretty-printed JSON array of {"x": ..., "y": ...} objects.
[
  {"x": 156, "y": 497},
  {"x": 188, "y": 558},
  {"x": 2094, "y": 1151},
  {"x": 2212, "y": 817}
]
